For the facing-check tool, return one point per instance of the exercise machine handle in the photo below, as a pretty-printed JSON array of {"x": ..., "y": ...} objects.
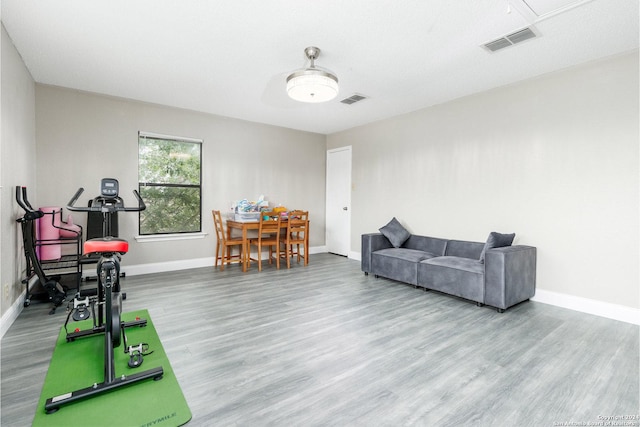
[
  {"x": 116, "y": 207},
  {"x": 19, "y": 199},
  {"x": 25, "y": 199},
  {"x": 141, "y": 205},
  {"x": 30, "y": 213},
  {"x": 73, "y": 201}
]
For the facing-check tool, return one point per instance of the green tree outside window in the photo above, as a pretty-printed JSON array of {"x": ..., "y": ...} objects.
[{"x": 169, "y": 177}]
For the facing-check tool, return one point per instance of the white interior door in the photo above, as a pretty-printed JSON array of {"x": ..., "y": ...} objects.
[{"x": 338, "y": 203}]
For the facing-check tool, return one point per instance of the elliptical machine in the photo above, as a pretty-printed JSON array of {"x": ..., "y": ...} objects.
[
  {"x": 55, "y": 292},
  {"x": 108, "y": 300}
]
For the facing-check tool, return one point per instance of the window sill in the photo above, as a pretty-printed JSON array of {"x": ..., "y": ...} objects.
[{"x": 168, "y": 237}]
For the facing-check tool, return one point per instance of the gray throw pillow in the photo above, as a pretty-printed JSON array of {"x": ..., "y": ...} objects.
[
  {"x": 395, "y": 232},
  {"x": 497, "y": 240}
]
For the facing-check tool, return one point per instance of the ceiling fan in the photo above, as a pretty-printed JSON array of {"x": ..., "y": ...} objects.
[{"x": 311, "y": 84}]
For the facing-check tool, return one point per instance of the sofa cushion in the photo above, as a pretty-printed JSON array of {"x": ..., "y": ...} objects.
[
  {"x": 432, "y": 245},
  {"x": 496, "y": 240},
  {"x": 459, "y": 276},
  {"x": 395, "y": 232},
  {"x": 458, "y": 263},
  {"x": 464, "y": 249},
  {"x": 412, "y": 255},
  {"x": 399, "y": 264}
]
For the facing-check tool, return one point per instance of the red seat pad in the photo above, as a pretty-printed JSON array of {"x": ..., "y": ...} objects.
[{"x": 106, "y": 244}]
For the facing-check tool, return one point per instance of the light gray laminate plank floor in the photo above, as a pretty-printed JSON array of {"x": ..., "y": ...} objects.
[{"x": 327, "y": 345}]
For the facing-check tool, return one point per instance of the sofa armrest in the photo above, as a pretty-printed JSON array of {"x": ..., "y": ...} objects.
[
  {"x": 370, "y": 243},
  {"x": 510, "y": 275}
]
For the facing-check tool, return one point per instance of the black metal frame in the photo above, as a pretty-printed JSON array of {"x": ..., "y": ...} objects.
[
  {"x": 108, "y": 320},
  {"x": 54, "y": 292},
  {"x": 111, "y": 326}
]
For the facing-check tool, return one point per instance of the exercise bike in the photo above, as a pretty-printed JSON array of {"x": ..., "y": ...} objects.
[{"x": 108, "y": 300}]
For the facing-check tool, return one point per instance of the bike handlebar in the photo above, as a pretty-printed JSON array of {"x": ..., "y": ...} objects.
[
  {"x": 30, "y": 213},
  {"x": 117, "y": 207},
  {"x": 20, "y": 198},
  {"x": 74, "y": 199}
]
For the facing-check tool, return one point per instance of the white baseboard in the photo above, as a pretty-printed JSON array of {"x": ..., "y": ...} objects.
[
  {"x": 12, "y": 314},
  {"x": 584, "y": 305},
  {"x": 590, "y": 306},
  {"x": 161, "y": 267},
  {"x": 317, "y": 250}
]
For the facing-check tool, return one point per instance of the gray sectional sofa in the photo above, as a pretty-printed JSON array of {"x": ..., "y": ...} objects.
[{"x": 492, "y": 273}]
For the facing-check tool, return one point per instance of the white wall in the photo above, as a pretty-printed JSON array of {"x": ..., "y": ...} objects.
[
  {"x": 554, "y": 159},
  {"x": 83, "y": 137},
  {"x": 17, "y": 164}
]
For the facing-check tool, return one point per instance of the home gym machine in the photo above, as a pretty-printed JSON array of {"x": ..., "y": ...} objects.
[
  {"x": 108, "y": 300},
  {"x": 54, "y": 292}
]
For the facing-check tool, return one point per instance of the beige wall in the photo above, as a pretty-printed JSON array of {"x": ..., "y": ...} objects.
[
  {"x": 17, "y": 164},
  {"x": 554, "y": 159},
  {"x": 84, "y": 137}
]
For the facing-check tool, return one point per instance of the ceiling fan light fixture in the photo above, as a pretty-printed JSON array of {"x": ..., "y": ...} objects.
[{"x": 312, "y": 84}]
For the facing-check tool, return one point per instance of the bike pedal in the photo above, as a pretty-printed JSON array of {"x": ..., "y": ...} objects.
[
  {"x": 81, "y": 308},
  {"x": 81, "y": 313},
  {"x": 135, "y": 359}
]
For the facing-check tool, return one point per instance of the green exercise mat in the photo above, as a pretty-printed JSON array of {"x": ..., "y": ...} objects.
[{"x": 79, "y": 364}]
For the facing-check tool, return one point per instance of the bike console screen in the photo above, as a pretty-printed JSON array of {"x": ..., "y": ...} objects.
[{"x": 109, "y": 187}]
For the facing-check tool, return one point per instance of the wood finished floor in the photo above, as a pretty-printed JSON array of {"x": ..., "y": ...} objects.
[{"x": 324, "y": 345}]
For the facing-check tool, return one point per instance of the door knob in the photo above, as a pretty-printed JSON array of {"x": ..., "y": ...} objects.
[{"x": 345, "y": 208}]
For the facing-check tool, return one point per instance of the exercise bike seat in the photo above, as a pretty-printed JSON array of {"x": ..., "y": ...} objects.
[{"x": 106, "y": 245}]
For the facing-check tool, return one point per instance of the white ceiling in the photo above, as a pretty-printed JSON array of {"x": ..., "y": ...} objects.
[{"x": 231, "y": 57}]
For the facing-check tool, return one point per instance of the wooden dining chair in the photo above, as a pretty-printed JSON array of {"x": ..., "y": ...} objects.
[
  {"x": 225, "y": 245},
  {"x": 268, "y": 235},
  {"x": 297, "y": 236}
]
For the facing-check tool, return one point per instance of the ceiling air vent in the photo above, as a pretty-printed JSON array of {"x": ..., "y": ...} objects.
[
  {"x": 510, "y": 39},
  {"x": 353, "y": 99}
]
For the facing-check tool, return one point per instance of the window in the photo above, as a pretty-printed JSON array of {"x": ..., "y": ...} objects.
[{"x": 169, "y": 176}]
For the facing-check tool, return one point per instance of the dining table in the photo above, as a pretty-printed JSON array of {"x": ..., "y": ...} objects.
[{"x": 244, "y": 226}]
